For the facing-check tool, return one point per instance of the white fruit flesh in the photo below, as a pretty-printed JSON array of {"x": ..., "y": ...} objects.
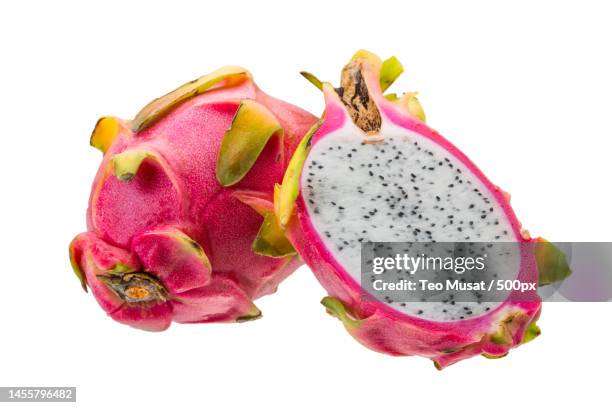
[{"x": 404, "y": 188}]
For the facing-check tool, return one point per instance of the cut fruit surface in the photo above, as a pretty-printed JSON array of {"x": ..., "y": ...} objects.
[{"x": 403, "y": 188}]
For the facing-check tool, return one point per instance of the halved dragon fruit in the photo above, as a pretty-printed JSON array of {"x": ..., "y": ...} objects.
[
  {"x": 372, "y": 171},
  {"x": 180, "y": 220}
]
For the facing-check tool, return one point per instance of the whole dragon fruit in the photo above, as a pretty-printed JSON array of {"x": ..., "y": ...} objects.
[
  {"x": 180, "y": 220},
  {"x": 372, "y": 171}
]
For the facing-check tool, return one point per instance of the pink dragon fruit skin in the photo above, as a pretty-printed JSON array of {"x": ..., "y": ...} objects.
[
  {"x": 176, "y": 218},
  {"x": 375, "y": 324}
]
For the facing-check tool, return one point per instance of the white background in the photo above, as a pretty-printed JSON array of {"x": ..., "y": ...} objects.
[{"x": 523, "y": 88}]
